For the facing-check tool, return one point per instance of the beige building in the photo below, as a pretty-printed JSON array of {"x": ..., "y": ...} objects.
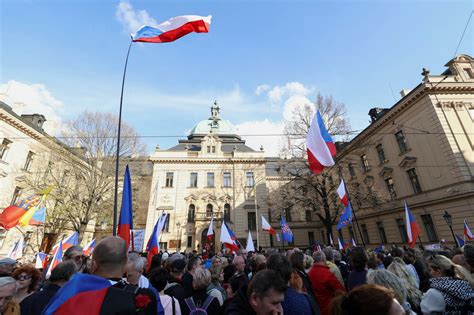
[
  {"x": 27, "y": 154},
  {"x": 420, "y": 151},
  {"x": 211, "y": 173}
]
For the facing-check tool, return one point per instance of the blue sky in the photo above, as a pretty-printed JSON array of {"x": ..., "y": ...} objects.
[{"x": 260, "y": 59}]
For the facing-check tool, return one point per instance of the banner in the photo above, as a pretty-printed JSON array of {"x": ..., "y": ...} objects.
[{"x": 138, "y": 240}]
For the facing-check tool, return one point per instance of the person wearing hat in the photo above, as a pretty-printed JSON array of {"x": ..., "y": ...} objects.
[
  {"x": 8, "y": 288},
  {"x": 175, "y": 287},
  {"x": 7, "y": 265}
]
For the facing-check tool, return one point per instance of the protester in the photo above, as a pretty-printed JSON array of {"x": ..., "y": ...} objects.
[
  {"x": 155, "y": 262},
  {"x": 359, "y": 264},
  {"x": 297, "y": 263},
  {"x": 27, "y": 278},
  {"x": 158, "y": 278},
  {"x": 451, "y": 288},
  {"x": 194, "y": 263},
  {"x": 342, "y": 265},
  {"x": 200, "y": 299},
  {"x": 388, "y": 280},
  {"x": 239, "y": 264},
  {"x": 7, "y": 265},
  {"x": 294, "y": 301},
  {"x": 134, "y": 270},
  {"x": 215, "y": 289},
  {"x": 174, "y": 286},
  {"x": 8, "y": 288},
  {"x": 469, "y": 255},
  {"x": 379, "y": 260},
  {"x": 75, "y": 254},
  {"x": 366, "y": 299},
  {"x": 263, "y": 295},
  {"x": 325, "y": 284},
  {"x": 36, "y": 303},
  {"x": 332, "y": 266},
  {"x": 398, "y": 268}
]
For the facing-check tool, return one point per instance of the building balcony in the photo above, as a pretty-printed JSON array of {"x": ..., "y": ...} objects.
[{"x": 205, "y": 216}]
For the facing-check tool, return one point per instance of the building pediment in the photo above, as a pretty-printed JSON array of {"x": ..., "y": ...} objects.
[
  {"x": 208, "y": 197},
  {"x": 408, "y": 161},
  {"x": 225, "y": 198},
  {"x": 191, "y": 197},
  {"x": 386, "y": 172}
]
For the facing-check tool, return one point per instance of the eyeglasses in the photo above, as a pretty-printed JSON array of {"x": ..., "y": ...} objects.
[
  {"x": 23, "y": 277},
  {"x": 79, "y": 258}
]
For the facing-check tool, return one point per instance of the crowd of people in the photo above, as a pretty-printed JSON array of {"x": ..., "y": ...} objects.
[{"x": 271, "y": 281}]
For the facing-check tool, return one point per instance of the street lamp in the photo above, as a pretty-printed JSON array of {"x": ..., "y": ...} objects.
[
  {"x": 178, "y": 235},
  {"x": 449, "y": 220}
]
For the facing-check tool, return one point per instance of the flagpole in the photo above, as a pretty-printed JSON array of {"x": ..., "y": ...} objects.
[
  {"x": 353, "y": 211},
  {"x": 118, "y": 143},
  {"x": 256, "y": 214}
]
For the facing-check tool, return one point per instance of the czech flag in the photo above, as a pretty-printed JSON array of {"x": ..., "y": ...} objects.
[
  {"x": 153, "y": 245},
  {"x": 70, "y": 241},
  {"x": 467, "y": 231},
  {"x": 228, "y": 238},
  {"x": 11, "y": 215},
  {"x": 89, "y": 248},
  {"x": 320, "y": 147},
  {"x": 353, "y": 242},
  {"x": 57, "y": 258},
  {"x": 173, "y": 29},
  {"x": 125, "y": 224},
  {"x": 210, "y": 230},
  {"x": 413, "y": 229},
  {"x": 346, "y": 215},
  {"x": 267, "y": 227},
  {"x": 342, "y": 245},
  {"x": 41, "y": 260},
  {"x": 82, "y": 294}
]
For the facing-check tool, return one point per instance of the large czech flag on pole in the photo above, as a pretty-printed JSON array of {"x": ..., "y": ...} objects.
[
  {"x": 467, "y": 231},
  {"x": 173, "y": 29},
  {"x": 346, "y": 215},
  {"x": 210, "y": 230},
  {"x": 228, "y": 238},
  {"x": 125, "y": 224},
  {"x": 320, "y": 147},
  {"x": 413, "y": 229}
]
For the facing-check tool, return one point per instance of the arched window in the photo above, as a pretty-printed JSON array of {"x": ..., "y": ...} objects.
[
  {"x": 227, "y": 212},
  {"x": 191, "y": 212},
  {"x": 209, "y": 210}
]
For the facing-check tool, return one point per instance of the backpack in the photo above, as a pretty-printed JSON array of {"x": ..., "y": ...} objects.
[{"x": 201, "y": 310}]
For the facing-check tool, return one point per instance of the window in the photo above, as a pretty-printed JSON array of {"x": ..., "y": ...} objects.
[
  {"x": 351, "y": 232},
  {"x": 227, "y": 179},
  {"x": 468, "y": 73},
  {"x": 402, "y": 142},
  {"x": 163, "y": 246},
  {"x": 415, "y": 183},
  {"x": 208, "y": 149},
  {"x": 4, "y": 148},
  {"x": 391, "y": 188},
  {"x": 193, "y": 180},
  {"x": 365, "y": 163},
  {"x": 308, "y": 215},
  {"x": 381, "y": 229},
  {"x": 190, "y": 241},
  {"x": 191, "y": 213},
  {"x": 250, "y": 180},
  {"x": 29, "y": 160},
  {"x": 429, "y": 227},
  {"x": 351, "y": 170},
  {"x": 16, "y": 195},
  {"x": 210, "y": 179},
  {"x": 288, "y": 215},
  {"x": 381, "y": 153},
  {"x": 213, "y": 149},
  {"x": 169, "y": 179},
  {"x": 365, "y": 233},
  {"x": 310, "y": 238},
  {"x": 402, "y": 229},
  {"x": 209, "y": 210},
  {"x": 227, "y": 212},
  {"x": 166, "y": 227},
  {"x": 251, "y": 221}
]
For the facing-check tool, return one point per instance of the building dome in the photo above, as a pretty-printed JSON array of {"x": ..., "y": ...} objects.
[{"x": 213, "y": 124}]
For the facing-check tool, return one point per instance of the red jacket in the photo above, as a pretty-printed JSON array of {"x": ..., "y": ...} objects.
[{"x": 325, "y": 285}]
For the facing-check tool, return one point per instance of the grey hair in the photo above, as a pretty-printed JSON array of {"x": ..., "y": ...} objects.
[
  {"x": 319, "y": 256},
  {"x": 337, "y": 255},
  {"x": 389, "y": 280},
  {"x": 329, "y": 253},
  {"x": 8, "y": 280},
  {"x": 136, "y": 260},
  {"x": 201, "y": 278}
]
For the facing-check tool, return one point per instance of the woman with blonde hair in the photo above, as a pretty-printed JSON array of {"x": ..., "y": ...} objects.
[
  {"x": 451, "y": 288},
  {"x": 398, "y": 268}
]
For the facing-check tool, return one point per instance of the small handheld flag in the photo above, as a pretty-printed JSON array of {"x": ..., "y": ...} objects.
[
  {"x": 227, "y": 239},
  {"x": 57, "y": 258},
  {"x": 413, "y": 229},
  {"x": 467, "y": 231},
  {"x": 341, "y": 244},
  {"x": 460, "y": 241},
  {"x": 41, "y": 260},
  {"x": 250, "y": 247},
  {"x": 173, "y": 29},
  {"x": 70, "y": 241},
  {"x": 267, "y": 227},
  {"x": 210, "y": 230},
  {"x": 353, "y": 242},
  {"x": 346, "y": 215},
  {"x": 286, "y": 233},
  {"x": 125, "y": 224},
  {"x": 330, "y": 239},
  {"x": 89, "y": 248},
  {"x": 320, "y": 147}
]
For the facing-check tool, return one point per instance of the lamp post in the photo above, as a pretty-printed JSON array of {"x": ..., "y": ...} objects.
[
  {"x": 178, "y": 235},
  {"x": 449, "y": 220}
]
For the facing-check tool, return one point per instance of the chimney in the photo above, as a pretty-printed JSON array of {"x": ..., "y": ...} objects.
[{"x": 35, "y": 120}]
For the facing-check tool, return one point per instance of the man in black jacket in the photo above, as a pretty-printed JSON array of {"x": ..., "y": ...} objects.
[{"x": 175, "y": 287}]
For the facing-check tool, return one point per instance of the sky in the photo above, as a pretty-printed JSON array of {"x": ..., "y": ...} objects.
[{"x": 260, "y": 60}]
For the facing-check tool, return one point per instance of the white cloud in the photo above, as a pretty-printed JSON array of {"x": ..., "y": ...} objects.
[
  {"x": 132, "y": 19},
  {"x": 33, "y": 99},
  {"x": 277, "y": 93},
  {"x": 261, "y": 89},
  {"x": 268, "y": 132}
]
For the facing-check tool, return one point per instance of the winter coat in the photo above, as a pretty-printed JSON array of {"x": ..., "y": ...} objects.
[
  {"x": 449, "y": 296},
  {"x": 325, "y": 286}
]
